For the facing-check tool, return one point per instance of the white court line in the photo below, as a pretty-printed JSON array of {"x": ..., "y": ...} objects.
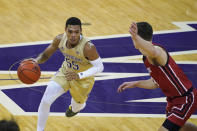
[
  {"x": 104, "y": 115},
  {"x": 160, "y": 99},
  {"x": 10, "y": 104},
  {"x": 22, "y": 86},
  {"x": 182, "y": 25},
  {"x": 183, "y": 52},
  {"x": 15, "y": 72},
  {"x": 100, "y": 76},
  {"x": 129, "y": 59}
]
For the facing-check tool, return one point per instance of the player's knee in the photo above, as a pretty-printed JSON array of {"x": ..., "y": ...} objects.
[
  {"x": 46, "y": 101},
  {"x": 189, "y": 127}
]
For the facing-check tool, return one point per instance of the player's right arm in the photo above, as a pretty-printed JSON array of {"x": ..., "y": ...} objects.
[
  {"x": 48, "y": 52},
  {"x": 155, "y": 54},
  {"x": 146, "y": 84}
]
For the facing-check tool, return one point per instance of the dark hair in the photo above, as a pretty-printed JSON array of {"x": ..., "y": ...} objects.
[
  {"x": 9, "y": 125},
  {"x": 73, "y": 21},
  {"x": 145, "y": 30}
]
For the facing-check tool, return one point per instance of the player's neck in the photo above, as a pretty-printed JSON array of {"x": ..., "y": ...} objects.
[{"x": 69, "y": 46}]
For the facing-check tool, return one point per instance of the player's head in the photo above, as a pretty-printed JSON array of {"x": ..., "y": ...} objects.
[
  {"x": 73, "y": 30},
  {"x": 145, "y": 30},
  {"x": 10, "y": 125},
  {"x": 73, "y": 21}
]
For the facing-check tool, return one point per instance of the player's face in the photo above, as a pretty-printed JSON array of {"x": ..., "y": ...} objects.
[{"x": 73, "y": 34}]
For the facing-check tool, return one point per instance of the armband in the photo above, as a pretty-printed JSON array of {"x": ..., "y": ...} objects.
[{"x": 96, "y": 68}]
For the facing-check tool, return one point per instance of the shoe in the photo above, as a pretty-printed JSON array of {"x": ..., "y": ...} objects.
[{"x": 70, "y": 113}]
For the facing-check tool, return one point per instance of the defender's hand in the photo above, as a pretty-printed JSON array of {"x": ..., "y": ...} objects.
[
  {"x": 126, "y": 85},
  {"x": 133, "y": 30},
  {"x": 70, "y": 75}
]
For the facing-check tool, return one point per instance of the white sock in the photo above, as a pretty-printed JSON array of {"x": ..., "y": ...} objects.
[
  {"x": 76, "y": 107},
  {"x": 53, "y": 91}
]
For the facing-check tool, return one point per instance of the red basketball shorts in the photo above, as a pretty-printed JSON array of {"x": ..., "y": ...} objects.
[{"x": 180, "y": 109}]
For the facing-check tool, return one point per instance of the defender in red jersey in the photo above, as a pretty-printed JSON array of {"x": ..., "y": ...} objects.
[{"x": 166, "y": 75}]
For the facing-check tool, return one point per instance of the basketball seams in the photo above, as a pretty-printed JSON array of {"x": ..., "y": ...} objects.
[
  {"x": 25, "y": 76},
  {"x": 35, "y": 65},
  {"x": 37, "y": 73},
  {"x": 24, "y": 64},
  {"x": 28, "y": 72}
]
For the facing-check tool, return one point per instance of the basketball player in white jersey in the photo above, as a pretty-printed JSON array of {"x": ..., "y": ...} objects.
[{"x": 76, "y": 74}]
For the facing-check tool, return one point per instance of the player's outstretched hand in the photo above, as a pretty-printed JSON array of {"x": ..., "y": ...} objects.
[
  {"x": 126, "y": 85},
  {"x": 133, "y": 30}
]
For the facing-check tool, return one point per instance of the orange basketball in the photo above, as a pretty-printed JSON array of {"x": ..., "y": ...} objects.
[{"x": 28, "y": 72}]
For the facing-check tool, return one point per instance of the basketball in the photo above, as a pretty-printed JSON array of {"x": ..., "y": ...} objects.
[{"x": 28, "y": 72}]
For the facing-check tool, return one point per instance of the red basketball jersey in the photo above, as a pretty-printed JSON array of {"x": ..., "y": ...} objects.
[{"x": 170, "y": 78}]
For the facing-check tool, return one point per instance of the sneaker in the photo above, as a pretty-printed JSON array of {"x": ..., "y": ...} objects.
[{"x": 70, "y": 113}]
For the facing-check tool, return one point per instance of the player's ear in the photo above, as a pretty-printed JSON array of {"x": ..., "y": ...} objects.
[{"x": 80, "y": 30}]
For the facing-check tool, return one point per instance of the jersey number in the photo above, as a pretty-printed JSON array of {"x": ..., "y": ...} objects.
[{"x": 72, "y": 64}]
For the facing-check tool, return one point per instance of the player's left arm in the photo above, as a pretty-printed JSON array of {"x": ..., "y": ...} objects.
[{"x": 92, "y": 55}]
